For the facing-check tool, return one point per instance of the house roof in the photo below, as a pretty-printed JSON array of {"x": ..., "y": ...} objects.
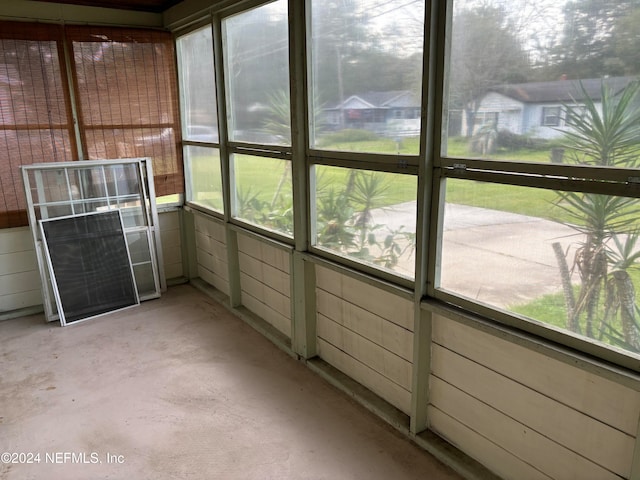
[
  {"x": 388, "y": 99},
  {"x": 562, "y": 90}
]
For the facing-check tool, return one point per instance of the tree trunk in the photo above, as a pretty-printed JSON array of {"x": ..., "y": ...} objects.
[
  {"x": 627, "y": 297},
  {"x": 570, "y": 301}
]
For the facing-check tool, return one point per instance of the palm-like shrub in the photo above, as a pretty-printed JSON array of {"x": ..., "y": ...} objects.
[{"x": 603, "y": 304}]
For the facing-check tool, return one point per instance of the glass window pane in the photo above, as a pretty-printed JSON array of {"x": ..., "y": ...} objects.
[
  {"x": 367, "y": 216},
  {"x": 569, "y": 260},
  {"x": 257, "y": 74},
  {"x": 204, "y": 177},
  {"x": 524, "y": 76},
  {"x": 263, "y": 192},
  {"x": 197, "y": 86},
  {"x": 366, "y": 75}
]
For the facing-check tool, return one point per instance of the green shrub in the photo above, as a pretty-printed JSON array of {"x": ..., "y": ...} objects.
[
  {"x": 348, "y": 135},
  {"x": 514, "y": 141}
]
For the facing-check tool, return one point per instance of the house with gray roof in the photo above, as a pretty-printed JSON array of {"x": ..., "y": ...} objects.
[
  {"x": 537, "y": 108},
  {"x": 396, "y": 111}
]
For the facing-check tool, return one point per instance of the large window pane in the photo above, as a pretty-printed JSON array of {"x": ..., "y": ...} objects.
[
  {"x": 367, "y": 216},
  {"x": 197, "y": 86},
  {"x": 263, "y": 192},
  {"x": 366, "y": 67},
  {"x": 257, "y": 74},
  {"x": 569, "y": 260},
  {"x": 523, "y": 75},
  {"x": 204, "y": 178}
]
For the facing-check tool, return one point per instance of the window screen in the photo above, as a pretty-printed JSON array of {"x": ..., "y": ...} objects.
[{"x": 90, "y": 263}]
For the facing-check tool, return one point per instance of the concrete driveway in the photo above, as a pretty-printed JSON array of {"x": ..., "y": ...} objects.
[{"x": 499, "y": 258}]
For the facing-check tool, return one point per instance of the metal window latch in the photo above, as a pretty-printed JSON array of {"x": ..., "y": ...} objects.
[
  {"x": 459, "y": 166},
  {"x": 402, "y": 163},
  {"x": 634, "y": 180}
]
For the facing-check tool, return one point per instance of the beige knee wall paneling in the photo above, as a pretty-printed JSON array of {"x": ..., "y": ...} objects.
[
  {"x": 171, "y": 243},
  {"x": 367, "y": 333},
  {"x": 265, "y": 281},
  {"x": 525, "y": 415},
  {"x": 211, "y": 252},
  {"x": 19, "y": 277}
]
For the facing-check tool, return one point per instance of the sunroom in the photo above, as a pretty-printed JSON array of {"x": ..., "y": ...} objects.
[{"x": 465, "y": 287}]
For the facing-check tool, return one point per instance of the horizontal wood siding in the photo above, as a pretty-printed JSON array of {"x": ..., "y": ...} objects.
[
  {"x": 392, "y": 307},
  {"x": 171, "y": 243},
  {"x": 544, "y": 416},
  {"x": 503, "y": 462},
  {"x": 211, "y": 252},
  {"x": 265, "y": 281},
  {"x": 377, "y": 383},
  {"x": 19, "y": 276},
  {"x": 363, "y": 331}
]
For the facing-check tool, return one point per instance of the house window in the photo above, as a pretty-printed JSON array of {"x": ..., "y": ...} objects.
[
  {"x": 365, "y": 217},
  {"x": 560, "y": 259},
  {"x": 203, "y": 175},
  {"x": 486, "y": 119},
  {"x": 258, "y": 117},
  {"x": 258, "y": 105},
  {"x": 348, "y": 54},
  {"x": 550, "y": 116}
]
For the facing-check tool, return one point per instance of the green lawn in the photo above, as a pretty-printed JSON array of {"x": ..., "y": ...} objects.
[{"x": 551, "y": 309}]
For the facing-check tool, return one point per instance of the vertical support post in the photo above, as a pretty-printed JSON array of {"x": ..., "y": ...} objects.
[
  {"x": 635, "y": 462},
  {"x": 233, "y": 262},
  {"x": 70, "y": 75},
  {"x": 303, "y": 282},
  {"x": 431, "y": 118},
  {"x": 421, "y": 369},
  {"x": 188, "y": 243},
  {"x": 218, "y": 66},
  {"x": 303, "y": 336}
]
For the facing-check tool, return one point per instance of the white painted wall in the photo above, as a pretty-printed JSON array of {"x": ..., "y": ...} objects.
[
  {"x": 19, "y": 277},
  {"x": 366, "y": 333},
  {"x": 171, "y": 238},
  {"x": 265, "y": 281},
  {"x": 211, "y": 252},
  {"x": 524, "y": 414}
]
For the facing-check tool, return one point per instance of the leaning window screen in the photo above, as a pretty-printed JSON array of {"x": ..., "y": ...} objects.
[{"x": 90, "y": 264}]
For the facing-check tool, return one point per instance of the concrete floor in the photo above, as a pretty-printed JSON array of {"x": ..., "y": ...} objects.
[{"x": 179, "y": 388}]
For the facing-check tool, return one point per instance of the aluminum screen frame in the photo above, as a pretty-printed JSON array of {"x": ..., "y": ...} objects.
[{"x": 89, "y": 265}]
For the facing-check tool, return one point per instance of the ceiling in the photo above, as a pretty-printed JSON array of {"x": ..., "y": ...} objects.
[{"x": 155, "y": 6}]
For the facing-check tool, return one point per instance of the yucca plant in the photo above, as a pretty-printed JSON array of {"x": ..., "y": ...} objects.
[{"x": 606, "y": 136}]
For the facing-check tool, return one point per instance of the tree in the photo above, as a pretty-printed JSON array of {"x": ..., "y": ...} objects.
[
  {"x": 485, "y": 52},
  {"x": 626, "y": 39},
  {"x": 588, "y": 45},
  {"x": 353, "y": 51},
  {"x": 257, "y": 62},
  {"x": 605, "y": 136}
]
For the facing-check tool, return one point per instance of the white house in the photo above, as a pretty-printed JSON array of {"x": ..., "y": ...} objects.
[{"x": 537, "y": 108}]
